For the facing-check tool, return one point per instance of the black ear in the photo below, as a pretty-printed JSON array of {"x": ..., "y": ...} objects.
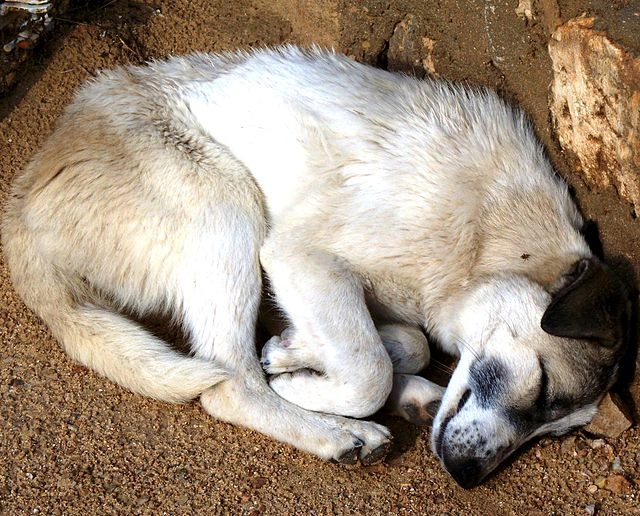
[{"x": 592, "y": 306}]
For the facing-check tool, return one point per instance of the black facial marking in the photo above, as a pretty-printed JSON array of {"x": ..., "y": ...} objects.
[{"x": 487, "y": 380}]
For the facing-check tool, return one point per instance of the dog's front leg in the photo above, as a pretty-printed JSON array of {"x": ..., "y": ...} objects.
[
  {"x": 325, "y": 303},
  {"x": 413, "y": 398}
]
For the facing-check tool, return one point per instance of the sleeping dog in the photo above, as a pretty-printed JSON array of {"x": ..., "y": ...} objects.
[{"x": 379, "y": 207}]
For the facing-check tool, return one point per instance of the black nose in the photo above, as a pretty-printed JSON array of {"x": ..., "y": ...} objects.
[{"x": 466, "y": 473}]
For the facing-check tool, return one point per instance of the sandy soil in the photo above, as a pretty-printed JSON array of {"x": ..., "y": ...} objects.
[{"x": 72, "y": 442}]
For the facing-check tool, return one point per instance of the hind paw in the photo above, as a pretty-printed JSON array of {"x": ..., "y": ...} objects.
[{"x": 419, "y": 414}]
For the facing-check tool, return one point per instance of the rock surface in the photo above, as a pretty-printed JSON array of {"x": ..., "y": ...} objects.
[
  {"x": 611, "y": 420},
  {"x": 595, "y": 103}
]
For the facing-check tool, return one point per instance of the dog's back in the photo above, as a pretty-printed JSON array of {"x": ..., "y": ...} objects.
[{"x": 446, "y": 169}]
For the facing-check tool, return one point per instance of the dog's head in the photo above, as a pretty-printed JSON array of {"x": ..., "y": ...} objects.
[{"x": 531, "y": 363}]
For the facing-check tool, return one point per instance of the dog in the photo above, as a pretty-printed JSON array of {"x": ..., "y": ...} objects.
[{"x": 383, "y": 212}]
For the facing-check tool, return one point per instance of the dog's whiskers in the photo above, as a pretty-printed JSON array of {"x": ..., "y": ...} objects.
[
  {"x": 441, "y": 367},
  {"x": 462, "y": 343},
  {"x": 509, "y": 325}
]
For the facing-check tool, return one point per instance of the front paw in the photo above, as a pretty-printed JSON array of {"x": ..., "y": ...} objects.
[{"x": 415, "y": 399}]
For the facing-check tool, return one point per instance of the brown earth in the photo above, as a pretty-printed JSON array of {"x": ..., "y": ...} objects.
[{"x": 72, "y": 442}]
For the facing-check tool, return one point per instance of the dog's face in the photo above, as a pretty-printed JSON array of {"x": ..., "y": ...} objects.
[{"x": 516, "y": 380}]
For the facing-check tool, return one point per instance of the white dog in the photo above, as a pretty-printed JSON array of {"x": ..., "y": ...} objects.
[{"x": 377, "y": 205}]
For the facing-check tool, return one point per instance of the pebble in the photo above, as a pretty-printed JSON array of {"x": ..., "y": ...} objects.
[
  {"x": 616, "y": 465},
  {"x": 568, "y": 446}
]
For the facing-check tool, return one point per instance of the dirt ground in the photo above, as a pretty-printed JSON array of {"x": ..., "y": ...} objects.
[{"x": 72, "y": 443}]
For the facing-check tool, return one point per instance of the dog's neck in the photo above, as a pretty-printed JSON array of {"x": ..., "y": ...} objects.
[
  {"x": 520, "y": 234},
  {"x": 529, "y": 229}
]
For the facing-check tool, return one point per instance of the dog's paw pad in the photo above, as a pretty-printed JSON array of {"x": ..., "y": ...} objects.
[{"x": 421, "y": 415}]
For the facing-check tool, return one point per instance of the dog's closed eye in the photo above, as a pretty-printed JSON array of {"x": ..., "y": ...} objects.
[
  {"x": 463, "y": 400},
  {"x": 542, "y": 401}
]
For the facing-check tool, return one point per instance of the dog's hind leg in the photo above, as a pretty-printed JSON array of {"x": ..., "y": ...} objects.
[
  {"x": 220, "y": 302},
  {"x": 413, "y": 398},
  {"x": 50, "y": 246}
]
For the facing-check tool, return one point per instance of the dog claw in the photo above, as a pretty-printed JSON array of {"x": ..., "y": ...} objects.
[
  {"x": 377, "y": 454},
  {"x": 348, "y": 457},
  {"x": 351, "y": 456}
]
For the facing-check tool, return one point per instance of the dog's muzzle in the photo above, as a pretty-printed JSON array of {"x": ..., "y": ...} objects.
[{"x": 466, "y": 445}]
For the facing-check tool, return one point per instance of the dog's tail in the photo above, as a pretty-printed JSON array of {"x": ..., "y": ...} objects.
[{"x": 95, "y": 334}]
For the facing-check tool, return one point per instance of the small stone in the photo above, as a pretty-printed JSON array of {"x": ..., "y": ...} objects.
[
  {"x": 611, "y": 420},
  {"x": 568, "y": 446},
  {"x": 592, "y": 489},
  {"x": 609, "y": 453},
  {"x": 525, "y": 10},
  {"x": 618, "y": 484},
  {"x": 590, "y": 509},
  {"x": 616, "y": 466},
  {"x": 258, "y": 482},
  {"x": 428, "y": 62}
]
